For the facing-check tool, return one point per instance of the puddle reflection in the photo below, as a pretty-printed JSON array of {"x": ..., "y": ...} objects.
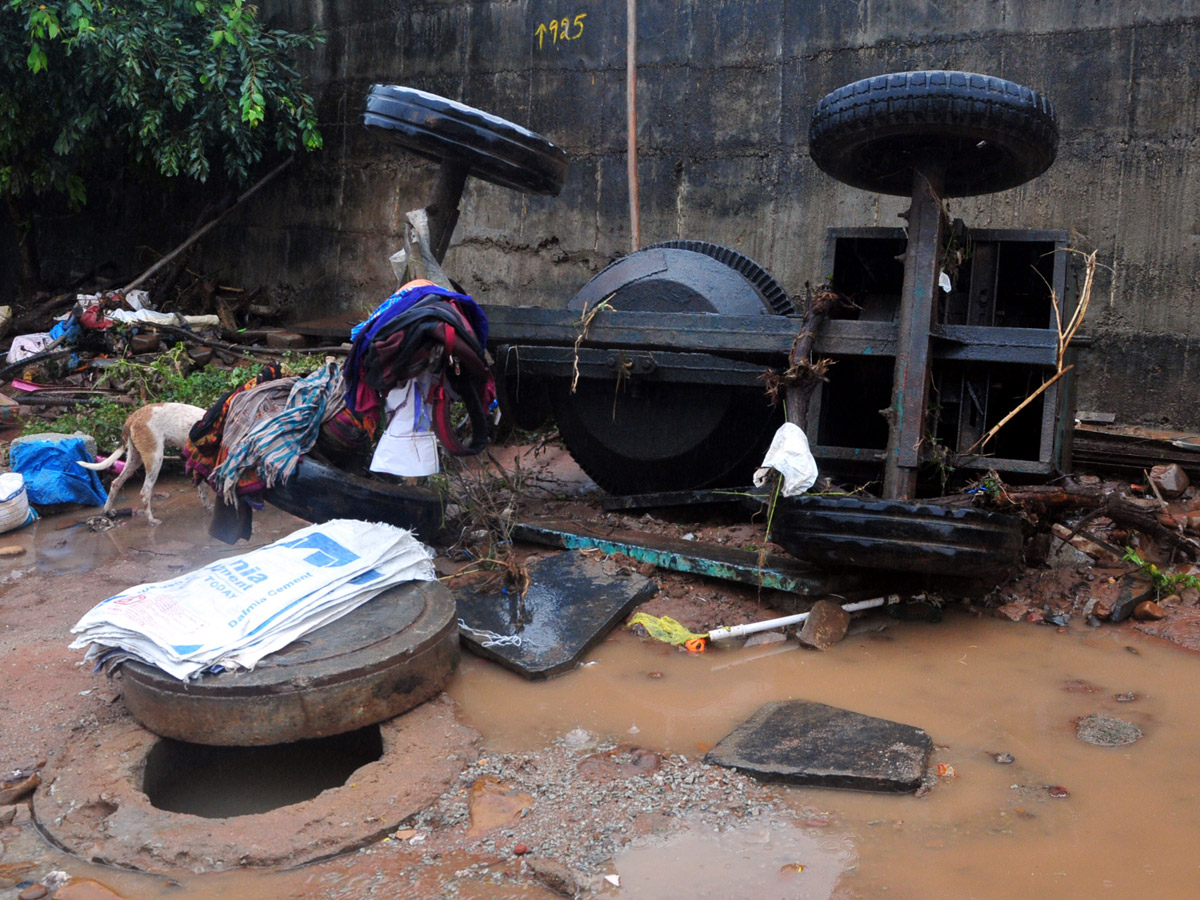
[{"x": 766, "y": 861}]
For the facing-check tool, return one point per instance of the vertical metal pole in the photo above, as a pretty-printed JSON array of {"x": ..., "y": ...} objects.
[
  {"x": 442, "y": 207},
  {"x": 918, "y": 307},
  {"x": 635, "y": 224}
]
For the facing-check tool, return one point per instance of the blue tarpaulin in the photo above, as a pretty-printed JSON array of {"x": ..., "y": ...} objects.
[{"x": 51, "y": 474}]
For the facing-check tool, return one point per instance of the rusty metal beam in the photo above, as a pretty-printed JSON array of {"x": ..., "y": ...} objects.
[
  {"x": 918, "y": 309},
  {"x": 699, "y": 559},
  {"x": 765, "y": 336}
]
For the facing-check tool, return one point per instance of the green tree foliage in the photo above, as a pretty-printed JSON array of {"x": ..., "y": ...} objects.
[{"x": 176, "y": 87}]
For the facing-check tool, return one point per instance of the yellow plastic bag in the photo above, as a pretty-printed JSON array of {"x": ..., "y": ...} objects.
[{"x": 664, "y": 629}]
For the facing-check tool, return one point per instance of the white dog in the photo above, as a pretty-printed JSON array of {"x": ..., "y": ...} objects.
[{"x": 145, "y": 433}]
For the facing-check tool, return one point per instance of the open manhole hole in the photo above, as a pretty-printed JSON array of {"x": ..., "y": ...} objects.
[
  {"x": 118, "y": 794},
  {"x": 222, "y": 782},
  {"x": 323, "y": 748}
]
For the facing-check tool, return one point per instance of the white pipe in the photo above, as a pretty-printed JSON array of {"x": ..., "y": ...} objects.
[{"x": 736, "y": 631}]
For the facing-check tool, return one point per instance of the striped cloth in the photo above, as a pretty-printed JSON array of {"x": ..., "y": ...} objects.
[{"x": 275, "y": 443}]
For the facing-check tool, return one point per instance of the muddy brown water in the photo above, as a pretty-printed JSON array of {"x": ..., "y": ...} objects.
[{"x": 979, "y": 686}]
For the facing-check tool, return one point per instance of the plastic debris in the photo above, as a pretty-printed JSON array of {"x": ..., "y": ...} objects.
[
  {"x": 790, "y": 456},
  {"x": 664, "y": 629}
]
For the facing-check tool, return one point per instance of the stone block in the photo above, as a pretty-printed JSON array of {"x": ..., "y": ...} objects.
[{"x": 802, "y": 742}]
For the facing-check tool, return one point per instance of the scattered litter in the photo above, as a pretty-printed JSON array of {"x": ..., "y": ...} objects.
[
  {"x": 614, "y": 880},
  {"x": 946, "y": 771},
  {"x": 150, "y": 317},
  {"x": 14, "y": 508},
  {"x": 490, "y": 638},
  {"x": 51, "y": 473},
  {"x": 790, "y": 456},
  {"x": 663, "y": 629},
  {"x": 27, "y": 345}
]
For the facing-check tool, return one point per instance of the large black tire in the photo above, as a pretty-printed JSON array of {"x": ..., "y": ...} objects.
[
  {"x": 492, "y": 148},
  {"x": 898, "y": 537},
  {"x": 317, "y": 492},
  {"x": 990, "y": 133},
  {"x": 664, "y": 436}
]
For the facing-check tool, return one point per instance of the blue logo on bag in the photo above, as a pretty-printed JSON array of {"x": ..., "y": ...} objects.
[{"x": 329, "y": 553}]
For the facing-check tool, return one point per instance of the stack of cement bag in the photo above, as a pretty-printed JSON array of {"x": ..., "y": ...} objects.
[{"x": 233, "y": 612}]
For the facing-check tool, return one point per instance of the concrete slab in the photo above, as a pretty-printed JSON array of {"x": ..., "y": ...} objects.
[
  {"x": 801, "y": 742},
  {"x": 572, "y": 602}
]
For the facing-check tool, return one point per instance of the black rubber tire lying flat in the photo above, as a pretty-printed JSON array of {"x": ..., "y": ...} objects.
[
  {"x": 990, "y": 133},
  {"x": 492, "y": 148},
  {"x": 318, "y": 493},
  {"x": 663, "y": 436},
  {"x": 898, "y": 537}
]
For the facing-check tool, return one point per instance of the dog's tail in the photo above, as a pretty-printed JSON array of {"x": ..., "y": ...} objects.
[{"x": 104, "y": 463}]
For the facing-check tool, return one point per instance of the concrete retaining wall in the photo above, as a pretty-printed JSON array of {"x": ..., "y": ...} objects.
[{"x": 725, "y": 92}]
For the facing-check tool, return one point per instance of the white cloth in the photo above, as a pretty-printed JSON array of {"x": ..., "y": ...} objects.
[
  {"x": 150, "y": 317},
  {"x": 790, "y": 456},
  {"x": 407, "y": 446},
  {"x": 26, "y": 345}
]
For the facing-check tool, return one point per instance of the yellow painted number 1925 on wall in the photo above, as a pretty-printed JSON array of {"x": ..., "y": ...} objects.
[{"x": 564, "y": 29}]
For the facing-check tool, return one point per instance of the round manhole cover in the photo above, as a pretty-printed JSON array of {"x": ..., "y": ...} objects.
[{"x": 376, "y": 662}]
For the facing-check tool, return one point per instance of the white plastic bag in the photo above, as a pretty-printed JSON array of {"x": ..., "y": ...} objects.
[
  {"x": 790, "y": 456},
  {"x": 407, "y": 446}
]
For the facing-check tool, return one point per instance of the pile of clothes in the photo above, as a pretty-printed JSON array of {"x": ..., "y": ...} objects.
[{"x": 420, "y": 352}]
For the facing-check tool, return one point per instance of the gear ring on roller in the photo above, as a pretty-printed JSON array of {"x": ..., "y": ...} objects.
[
  {"x": 668, "y": 436},
  {"x": 491, "y": 148},
  {"x": 990, "y": 133}
]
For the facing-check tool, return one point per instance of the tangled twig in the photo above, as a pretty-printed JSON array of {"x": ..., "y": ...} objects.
[
  {"x": 1065, "y": 335},
  {"x": 585, "y": 322}
]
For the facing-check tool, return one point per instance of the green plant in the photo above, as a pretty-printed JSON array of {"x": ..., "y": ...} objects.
[
  {"x": 168, "y": 379},
  {"x": 161, "y": 88},
  {"x": 1163, "y": 582},
  {"x": 101, "y": 418}
]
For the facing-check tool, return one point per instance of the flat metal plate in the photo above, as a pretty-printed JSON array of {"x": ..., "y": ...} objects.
[
  {"x": 376, "y": 662},
  {"x": 572, "y": 602}
]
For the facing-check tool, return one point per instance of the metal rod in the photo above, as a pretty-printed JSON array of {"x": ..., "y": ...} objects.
[
  {"x": 442, "y": 208},
  {"x": 635, "y": 224}
]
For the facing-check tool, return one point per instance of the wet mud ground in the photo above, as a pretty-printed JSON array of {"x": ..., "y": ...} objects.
[{"x": 598, "y": 773}]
